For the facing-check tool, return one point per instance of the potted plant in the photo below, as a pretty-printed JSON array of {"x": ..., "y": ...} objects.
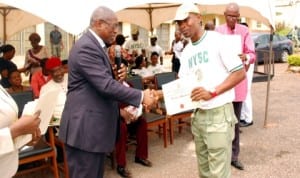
[{"x": 294, "y": 63}]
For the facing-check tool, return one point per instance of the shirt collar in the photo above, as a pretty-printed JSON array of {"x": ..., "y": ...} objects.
[{"x": 101, "y": 42}]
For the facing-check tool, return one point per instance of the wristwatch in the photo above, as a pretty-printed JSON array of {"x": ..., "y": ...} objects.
[{"x": 213, "y": 92}]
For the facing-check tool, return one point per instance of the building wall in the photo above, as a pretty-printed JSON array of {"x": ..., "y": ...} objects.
[{"x": 21, "y": 40}]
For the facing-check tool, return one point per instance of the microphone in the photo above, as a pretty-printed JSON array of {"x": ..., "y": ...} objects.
[{"x": 118, "y": 59}]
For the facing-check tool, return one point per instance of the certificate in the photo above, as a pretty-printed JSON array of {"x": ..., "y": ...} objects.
[
  {"x": 234, "y": 44},
  {"x": 45, "y": 104},
  {"x": 177, "y": 96}
]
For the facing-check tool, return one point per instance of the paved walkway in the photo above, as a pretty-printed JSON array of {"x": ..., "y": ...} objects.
[{"x": 271, "y": 152}]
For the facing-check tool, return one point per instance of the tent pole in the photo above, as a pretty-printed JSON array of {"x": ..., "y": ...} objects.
[
  {"x": 149, "y": 10},
  {"x": 4, "y": 12},
  {"x": 269, "y": 78}
]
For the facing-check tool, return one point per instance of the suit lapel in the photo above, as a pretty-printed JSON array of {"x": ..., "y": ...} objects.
[{"x": 102, "y": 51}]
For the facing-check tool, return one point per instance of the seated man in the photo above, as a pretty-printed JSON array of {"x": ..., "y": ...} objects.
[
  {"x": 137, "y": 127},
  {"x": 154, "y": 67},
  {"x": 132, "y": 123},
  {"x": 59, "y": 82}
]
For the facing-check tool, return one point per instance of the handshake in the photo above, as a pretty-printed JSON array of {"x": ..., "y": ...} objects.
[{"x": 151, "y": 98}]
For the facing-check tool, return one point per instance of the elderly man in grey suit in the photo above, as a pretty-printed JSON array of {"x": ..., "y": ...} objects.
[{"x": 90, "y": 117}]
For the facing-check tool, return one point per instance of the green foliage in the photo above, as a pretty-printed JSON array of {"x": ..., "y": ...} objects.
[
  {"x": 284, "y": 32},
  {"x": 294, "y": 60},
  {"x": 282, "y": 29}
]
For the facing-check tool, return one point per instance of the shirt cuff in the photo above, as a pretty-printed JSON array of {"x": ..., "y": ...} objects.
[{"x": 7, "y": 144}]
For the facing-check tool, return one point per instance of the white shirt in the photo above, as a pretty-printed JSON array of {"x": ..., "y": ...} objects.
[
  {"x": 132, "y": 45},
  {"x": 155, "y": 48},
  {"x": 177, "y": 48},
  {"x": 61, "y": 99},
  {"x": 102, "y": 44},
  {"x": 155, "y": 69},
  {"x": 209, "y": 62},
  {"x": 143, "y": 72},
  {"x": 9, "y": 155},
  {"x": 41, "y": 55}
]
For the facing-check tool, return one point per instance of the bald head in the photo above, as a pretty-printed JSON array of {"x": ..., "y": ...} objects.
[
  {"x": 232, "y": 7},
  {"x": 102, "y": 13},
  {"x": 232, "y": 14},
  {"x": 104, "y": 23}
]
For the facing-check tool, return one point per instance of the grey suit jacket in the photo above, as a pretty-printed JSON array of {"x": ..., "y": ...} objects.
[{"x": 89, "y": 120}]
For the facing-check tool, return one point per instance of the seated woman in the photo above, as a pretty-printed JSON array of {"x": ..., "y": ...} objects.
[
  {"x": 141, "y": 67},
  {"x": 6, "y": 64},
  {"x": 15, "y": 81},
  {"x": 141, "y": 70}
]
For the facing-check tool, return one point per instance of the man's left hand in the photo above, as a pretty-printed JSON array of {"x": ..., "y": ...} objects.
[
  {"x": 122, "y": 73},
  {"x": 243, "y": 57}
]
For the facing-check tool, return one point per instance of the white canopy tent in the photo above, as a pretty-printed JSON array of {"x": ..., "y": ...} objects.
[
  {"x": 152, "y": 14},
  {"x": 73, "y": 16},
  {"x": 13, "y": 20}
]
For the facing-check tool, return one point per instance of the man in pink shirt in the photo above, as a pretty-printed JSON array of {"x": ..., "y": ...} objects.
[
  {"x": 248, "y": 57},
  {"x": 39, "y": 79}
]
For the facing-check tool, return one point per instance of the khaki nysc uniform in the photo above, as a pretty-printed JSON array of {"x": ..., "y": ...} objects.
[{"x": 209, "y": 62}]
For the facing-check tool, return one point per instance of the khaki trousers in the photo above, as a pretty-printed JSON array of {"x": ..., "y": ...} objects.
[{"x": 213, "y": 132}]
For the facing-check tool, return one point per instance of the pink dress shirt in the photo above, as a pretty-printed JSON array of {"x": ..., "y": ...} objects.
[{"x": 248, "y": 49}]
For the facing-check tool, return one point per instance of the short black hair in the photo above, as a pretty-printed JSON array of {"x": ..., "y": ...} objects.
[
  {"x": 6, "y": 48},
  {"x": 154, "y": 53},
  {"x": 43, "y": 62},
  {"x": 244, "y": 23},
  {"x": 139, "y": 61},
  {"x": 12, "y": 71},
  {"x": 64, "y": 62},
  {"x": 120, "y": 39}
]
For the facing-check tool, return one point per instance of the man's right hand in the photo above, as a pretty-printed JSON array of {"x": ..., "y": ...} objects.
[{"x": 149, "y": 99}]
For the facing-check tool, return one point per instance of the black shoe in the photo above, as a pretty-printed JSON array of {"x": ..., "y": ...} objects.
[
  {"x": 143, "y": 162},
  {"x": 123, "y": 172},
  {"x": 237, "y": 164},
  {"x": 245, "y": 124}
]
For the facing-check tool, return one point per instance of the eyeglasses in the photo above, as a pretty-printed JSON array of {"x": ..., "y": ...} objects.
[
  {"x": 232, "y": 16},
  {"x": 111, "y": 25}
]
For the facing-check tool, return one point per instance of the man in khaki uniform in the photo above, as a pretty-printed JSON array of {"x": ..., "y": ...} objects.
[{"x": 216, "y": 71}]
